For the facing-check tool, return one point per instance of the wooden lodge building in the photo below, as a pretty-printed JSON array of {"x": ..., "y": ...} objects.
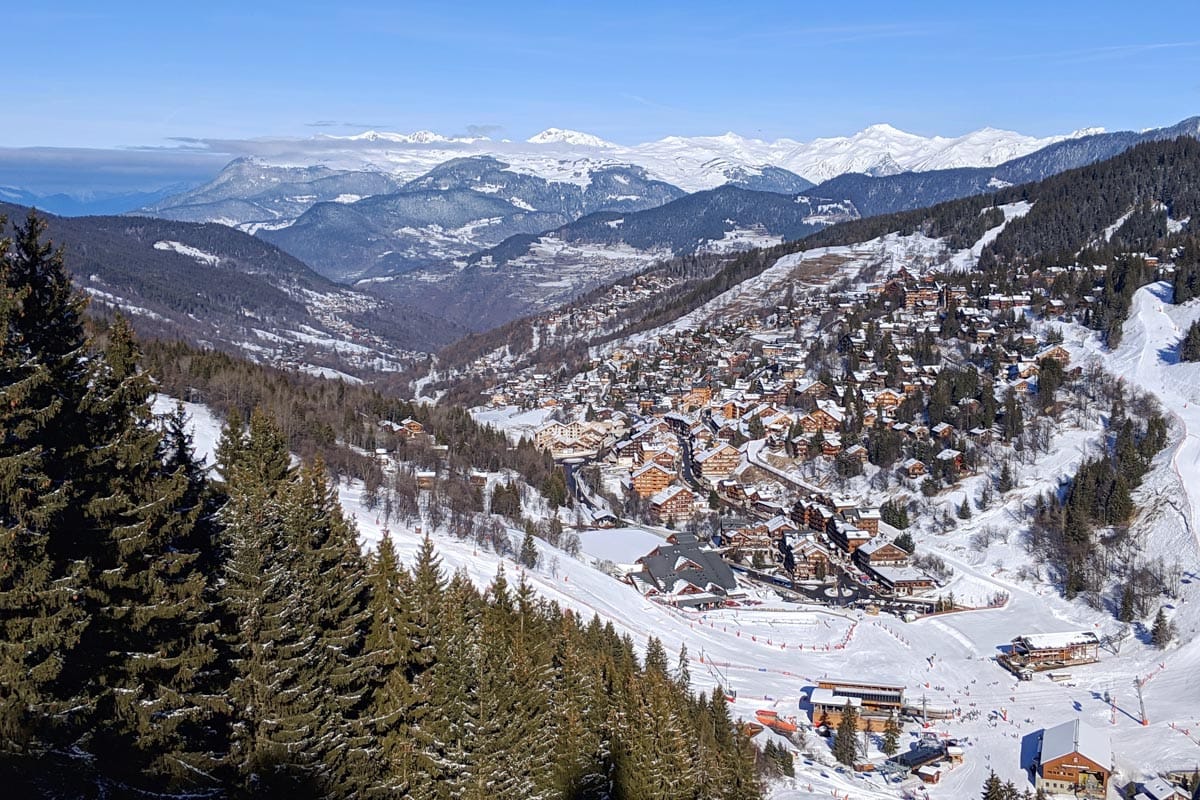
[
  {"x": 874, "y": 702},
  {"x": 1037, "y": 652},
  {"x": 1074, "y": 758}
]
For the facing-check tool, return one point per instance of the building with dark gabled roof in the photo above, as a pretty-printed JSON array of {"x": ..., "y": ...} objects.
[{"x": 684, "y": 574}]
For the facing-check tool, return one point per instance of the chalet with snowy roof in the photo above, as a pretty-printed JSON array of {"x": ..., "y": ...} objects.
[
  {"x": 1158, "y": 789},
  {"x": 663, "y": 453},
  {"x": 651, "y": 478},
  {"x": 413, "y": 427},
  {"x": 886, "y": 399},
  {"x": 857, "y": 452},
  {"x": 900, "y": 581},
  {"x": 1042, "y": 651},
  {"x": 864, "y": 517},
  {"x": 831, "y": 445},
  {"x": 812, "y": 560},
  {"x": 827, "y": 416},
  {"x": 696, "y": 397},
  {"x": 877, "y": 553},
  {"x": 846, "y": 536},
  {"x": 952, "y": 457},
  {"x": 813, "y": 390},
  {"x": 912, "y": 467},
  {"x": 683, "y": 574},
  {"x": 1056, "y": 352},
  {"x": 673, "y": 504},
  {"x": 748, "y": 537},
  {"x": 717, "y": 462},
  {"x": 1074, "y": 758}
]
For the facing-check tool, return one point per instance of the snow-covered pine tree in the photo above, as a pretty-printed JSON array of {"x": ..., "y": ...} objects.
[
  {"x": 845, "y": 749},
  {"x": 579, "y": 746},
  {"x": 448, "y": 736}
]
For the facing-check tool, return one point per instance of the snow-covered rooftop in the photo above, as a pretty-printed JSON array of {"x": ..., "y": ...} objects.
[
  {"x": 1056, "y": 641},
  {"x": 1074, "y": 736}
]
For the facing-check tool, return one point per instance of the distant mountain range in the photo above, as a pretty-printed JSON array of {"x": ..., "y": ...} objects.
[
  {"x": 381, "y": 204},
  {"x": 82, "y": 203},
  {"x": 873, "y": 195},
  {"x": 477, "y": 232},
  {"x": 454, "y": 210}
]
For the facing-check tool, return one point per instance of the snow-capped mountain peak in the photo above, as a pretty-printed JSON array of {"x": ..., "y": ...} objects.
[
  {"x": 691, "y": 163},
  {"x": 569, "y": 137},
  {"x": 416, "y": 137},
  {"x": 882, "y": 129}
]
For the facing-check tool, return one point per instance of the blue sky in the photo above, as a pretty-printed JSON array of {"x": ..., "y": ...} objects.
[{"x": 122, "y": 74}]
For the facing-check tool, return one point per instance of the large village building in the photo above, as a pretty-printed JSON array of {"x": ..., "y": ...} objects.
[
  {"x": 684, "y": 574},
  {"x": 873, "y": 702},
  {"x": 1074, "y": 758}
]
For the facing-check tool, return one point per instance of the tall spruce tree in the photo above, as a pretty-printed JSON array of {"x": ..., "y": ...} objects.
[
  {"x": 272, "y": 749},
  {"x": 326, "y": 570},
  {"x": 388, "y": 652},
  {"x": 845, "y": 748},
  {"x": 43, "y": 379},
  {"x": 151, "y": 643}
]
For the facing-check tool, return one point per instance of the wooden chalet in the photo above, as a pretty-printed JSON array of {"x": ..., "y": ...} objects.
[
  {"x": 1043, "y": 651},
  {"x": 717, "y": 462},
  {"x": 865, "y": 517},
  {"x": 674, "y": 502},
  {"x": 846, "y": 536},
  {"x": 812, "y": 560},
  {"x": 1056, "y": 352},
  {"x": 899, "y": 581},
  {"x": 876, "y": 553},
  {"x": 874, "y": 702},
  {"x": 1076, "y": 759},
  {"x": 651, "y": 478}
]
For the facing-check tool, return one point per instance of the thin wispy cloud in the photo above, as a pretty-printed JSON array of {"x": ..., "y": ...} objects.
[
  {"x": 650, "y": 103},
  {"x": 1103, "y": 53},
  {"x": 333, "y": 123}
]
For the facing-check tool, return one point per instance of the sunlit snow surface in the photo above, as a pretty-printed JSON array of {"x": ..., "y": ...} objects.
[{"x": 772, "y": 653}]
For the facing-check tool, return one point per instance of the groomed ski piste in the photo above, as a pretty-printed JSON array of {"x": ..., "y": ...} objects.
[{"x": 770, "y": 654}]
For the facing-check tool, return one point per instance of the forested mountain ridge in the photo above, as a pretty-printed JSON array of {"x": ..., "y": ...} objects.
[
  {"x": 536, "y": 271},
  {"x": 212, "y": 284},
  {"x": 455, "y": 209}
]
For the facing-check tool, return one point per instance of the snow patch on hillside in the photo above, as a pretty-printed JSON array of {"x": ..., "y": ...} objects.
[{"x": 208, "y": 259}]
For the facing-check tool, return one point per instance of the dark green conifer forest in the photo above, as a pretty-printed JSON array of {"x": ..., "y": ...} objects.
[{"x": 165, "y": 633}]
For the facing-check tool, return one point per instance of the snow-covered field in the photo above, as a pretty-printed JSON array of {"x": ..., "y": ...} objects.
[
  {"x": 515, "y": 423},
  {"x": 770, "y": 654}
]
